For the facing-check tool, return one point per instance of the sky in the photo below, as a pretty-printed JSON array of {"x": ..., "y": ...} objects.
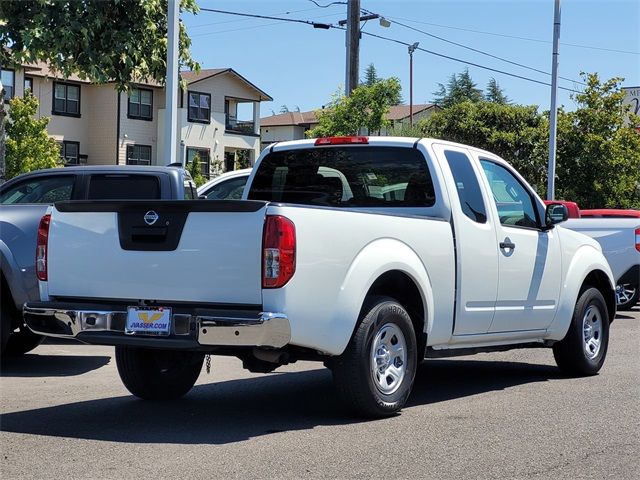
[{"x": 302, "y": 67}]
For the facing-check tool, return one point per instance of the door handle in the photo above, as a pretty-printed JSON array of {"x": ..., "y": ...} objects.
[{"x": 507, "y": 244}]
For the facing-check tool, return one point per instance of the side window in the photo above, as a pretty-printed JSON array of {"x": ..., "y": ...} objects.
[
  {"x": 467, "y": 186},
  {"x": 229, "y": 190},
  {"x": 513, "y": 200},
  {"x": 39, "y": 190}
]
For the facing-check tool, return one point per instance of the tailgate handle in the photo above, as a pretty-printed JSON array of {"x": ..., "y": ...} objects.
[{"x": 148, "y": 234}]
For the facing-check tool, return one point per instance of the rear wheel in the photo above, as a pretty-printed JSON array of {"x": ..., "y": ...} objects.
[
  {"x": 158, "y": 374},
  {"x": 14, "y": 342},
  {"x": 626, "y": 296},
  {"x": 583, "y": 349},
  {"x": 21, "y": 342},
  {"x": 375, "y": 373}
]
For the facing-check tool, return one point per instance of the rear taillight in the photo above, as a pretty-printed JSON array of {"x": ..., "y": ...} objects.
[
  {"x": 41, "y": 247},
  {"x": 341, "y": 140},
  {"x": 278, "y": 251},
  {"x": 638, "y": 239}
]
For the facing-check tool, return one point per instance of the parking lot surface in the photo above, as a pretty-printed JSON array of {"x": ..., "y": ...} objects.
[{"x": 65, "y": 414}]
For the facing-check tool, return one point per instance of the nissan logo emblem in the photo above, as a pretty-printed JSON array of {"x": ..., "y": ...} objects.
[{"x": 151, "y": 217}]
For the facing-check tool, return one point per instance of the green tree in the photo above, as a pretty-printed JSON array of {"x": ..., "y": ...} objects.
[
  {"x": 119, "y": 41},
  {"x": 516, "y": 133},
  {"x": 366, "y": 108},
  {"x": 194, "y": 170},
  {"x": 459, "y": 88},
  {"x": 598, "y": 153},
  {"x": 494, "y": 93},
  {"x": 28, "y": 146},
  {"x": 370, "y": 76}
]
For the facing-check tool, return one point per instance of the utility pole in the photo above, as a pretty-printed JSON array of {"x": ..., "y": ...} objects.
[
  {"x": 412, "y": 48},
  {"x": 170, "y": 140},
  {"x": 353, "y": 45},
  {"x": 553, "y": 112}
]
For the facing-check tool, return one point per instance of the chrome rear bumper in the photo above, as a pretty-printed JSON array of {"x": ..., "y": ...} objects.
[{"x": 195, "y": 329}]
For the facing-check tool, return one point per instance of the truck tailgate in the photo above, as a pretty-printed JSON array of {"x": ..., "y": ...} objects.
[{"x": 196, "y": 251}]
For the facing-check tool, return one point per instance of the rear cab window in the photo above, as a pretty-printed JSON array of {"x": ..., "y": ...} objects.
[
  {"x": 123, "y": 187},
  {"x": 345, "y": 177}
]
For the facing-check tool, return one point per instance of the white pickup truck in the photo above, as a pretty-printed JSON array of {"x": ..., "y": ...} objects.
[{"x": 368, "y": 254}]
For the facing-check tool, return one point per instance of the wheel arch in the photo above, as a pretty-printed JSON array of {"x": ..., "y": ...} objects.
[
  {"x": 402, "y": 276},
  {"x": 588, "y": 266},
  {"x": 598, "y": 279},
  {"x": 402, "y": 287}
]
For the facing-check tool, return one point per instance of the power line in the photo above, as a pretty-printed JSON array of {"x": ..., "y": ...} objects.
[
  {"x": 528, "y": 39},
  {"x": 252, "y": 27},
  {"x": 247, "y": 19},
  {"x": 329, "y": 26},
  {"x": 467, "y": 62},
  {"x": 328, "y": 5},
  {"x": 269, "y": 17},
  {"x": 482, "y": 52}
]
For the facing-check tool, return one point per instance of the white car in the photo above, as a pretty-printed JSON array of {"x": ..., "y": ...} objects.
[
  {"x": 228, "y": 186},
  {"x": 317, "y": 262}
]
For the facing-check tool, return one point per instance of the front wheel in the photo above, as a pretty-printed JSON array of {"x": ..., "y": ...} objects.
[
  {"x": 583, "y": 349},
  {"x": 375, "y": 373},
  {"x": 158, "y": 374}
]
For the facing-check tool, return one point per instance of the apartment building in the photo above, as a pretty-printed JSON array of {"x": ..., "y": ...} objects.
[
  {"x": 293, "y": 125},
  {"x": 218, "y": 118}
]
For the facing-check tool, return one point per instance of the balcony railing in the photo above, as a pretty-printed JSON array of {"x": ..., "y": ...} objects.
[{"x": 234, "y": 125}]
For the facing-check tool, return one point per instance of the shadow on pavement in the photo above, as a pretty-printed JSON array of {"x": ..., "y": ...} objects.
[
  {"x": 34, "y": 365},
  {"x": 237, "y": 410}
]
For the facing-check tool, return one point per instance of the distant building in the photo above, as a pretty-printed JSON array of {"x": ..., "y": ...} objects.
[
  {"x": 218, "y": 117},
  {"x": 292, "y": 125},
  {"x": 632, "y": 98}
]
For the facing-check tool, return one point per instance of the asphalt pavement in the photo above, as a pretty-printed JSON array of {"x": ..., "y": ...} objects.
[{"x": 65, "y": 414}]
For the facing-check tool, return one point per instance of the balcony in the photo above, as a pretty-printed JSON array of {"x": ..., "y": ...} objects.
[{"x": 240, "y": 127}]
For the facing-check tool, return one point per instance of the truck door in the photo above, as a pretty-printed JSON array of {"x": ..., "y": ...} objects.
[
  {"x": 475, "y": 242},
  {"x": 529, "y": 265}
]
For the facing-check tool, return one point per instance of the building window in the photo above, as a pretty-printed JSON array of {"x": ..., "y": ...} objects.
[
  {"x": 199, "y": 107},
  {"x": 70, "y": 152},
  {"x": 138, "y": 155},
  {"x": 140, "y": 104},
  {"x": 205, "y": 159},
  {"x": 66, "y": 99},
  {"x": 28, "y": 85},
  {"x": 8, "y": 78}
]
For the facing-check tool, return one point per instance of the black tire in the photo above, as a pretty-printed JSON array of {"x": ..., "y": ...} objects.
[
  {"x": 5, "y": 322},
  {"x": 571, "y": 352},
  {"x": 631, "y": 302},
  {"x": 353, "y": 371},
  {"x": 158, "y": 374},
  {"x": 14, "y": 342},
  {"x": 21, "y": 342}
]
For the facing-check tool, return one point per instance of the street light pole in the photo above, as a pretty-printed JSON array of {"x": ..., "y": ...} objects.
[
  {"x": 553, "y": 111},
  {"x": 412, "y": 48},
  {"x": 171, "y": 96}
]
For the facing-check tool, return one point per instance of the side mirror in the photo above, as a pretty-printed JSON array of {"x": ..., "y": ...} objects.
[{"x": 555, "y": 213}]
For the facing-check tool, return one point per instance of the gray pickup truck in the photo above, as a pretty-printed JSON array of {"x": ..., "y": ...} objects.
[{"x": 23, "y": 201}]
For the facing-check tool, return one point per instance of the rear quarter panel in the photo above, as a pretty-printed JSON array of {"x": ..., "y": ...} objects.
[{"x": 341, "y": 253}]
